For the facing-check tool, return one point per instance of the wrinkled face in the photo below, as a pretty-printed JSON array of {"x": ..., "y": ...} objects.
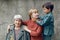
[
  {"x": 45, "y": 10},
  {"x": 34, "y": 15},
  {"x": 17, "y": 22}
]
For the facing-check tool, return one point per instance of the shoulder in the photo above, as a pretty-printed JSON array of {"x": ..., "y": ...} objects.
[
  {"x": 23, "y": 26},
  {"x": 26, "y": 21},
  {"x": 50, "y": 14}
]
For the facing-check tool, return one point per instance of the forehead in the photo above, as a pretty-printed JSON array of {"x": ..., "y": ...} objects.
[
  {"x": 35, "y": 10},
  {"x": 45, "y": 8}
]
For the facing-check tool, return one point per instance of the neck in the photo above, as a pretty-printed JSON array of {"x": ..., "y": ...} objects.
[
  {"x": 17, "y": 28},
  {"x": 48, "y": 12},
  {"x": 33, "y": 19}
]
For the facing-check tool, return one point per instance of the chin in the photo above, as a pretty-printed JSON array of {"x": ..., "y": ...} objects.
[{"x": 36, "y": 17}]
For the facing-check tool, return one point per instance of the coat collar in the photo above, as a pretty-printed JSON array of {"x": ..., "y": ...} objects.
[{"x": 21, "y": 32}]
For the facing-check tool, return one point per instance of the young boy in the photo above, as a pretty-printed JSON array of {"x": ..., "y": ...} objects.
[{"x": 47, "y": 21}]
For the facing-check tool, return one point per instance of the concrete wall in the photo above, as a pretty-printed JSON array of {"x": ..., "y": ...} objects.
[{"x": 8, "y": 8}]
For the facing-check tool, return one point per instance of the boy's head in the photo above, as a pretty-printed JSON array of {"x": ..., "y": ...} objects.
[{"x": 48, "y": 7}]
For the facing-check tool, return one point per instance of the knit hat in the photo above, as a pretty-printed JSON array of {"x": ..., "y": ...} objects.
[{"x": 18, "y": 17}]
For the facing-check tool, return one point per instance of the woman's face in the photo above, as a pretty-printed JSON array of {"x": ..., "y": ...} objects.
[
  {"x": 34, "y": 15},
  {"x": 17, "y": 22}
]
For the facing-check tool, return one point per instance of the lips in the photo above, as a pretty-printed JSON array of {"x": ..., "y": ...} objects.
[{"x": 37, "y": 16}]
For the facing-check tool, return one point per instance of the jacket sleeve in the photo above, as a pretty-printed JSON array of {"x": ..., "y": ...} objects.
[
  {"x": 7, "y": 36},
  {"x": 44, "y": 21},
  {"x": 37, "y": 32}
]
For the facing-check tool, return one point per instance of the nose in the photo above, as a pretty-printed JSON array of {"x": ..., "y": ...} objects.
[
  {"x": 37, "y": 14},
  {"x": 17, "y": 22}
]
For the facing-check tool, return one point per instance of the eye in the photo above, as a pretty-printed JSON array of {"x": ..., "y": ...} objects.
[
  {"x": 35, "y": 12},
  {"x": 15, "y": 19}
]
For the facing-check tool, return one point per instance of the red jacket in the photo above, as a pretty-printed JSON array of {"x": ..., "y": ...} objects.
[{"x": 36, "y": 30}]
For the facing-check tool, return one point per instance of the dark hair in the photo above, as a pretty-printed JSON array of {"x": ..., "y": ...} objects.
[{"x": 48, "y": 5}]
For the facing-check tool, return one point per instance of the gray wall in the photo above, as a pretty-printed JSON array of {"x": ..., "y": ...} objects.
[{"x": 8, "y": 8}]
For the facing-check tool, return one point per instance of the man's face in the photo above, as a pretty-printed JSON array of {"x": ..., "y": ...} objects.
[
  {"x": 45, "y": 10},
  {"x": 17, "y": 22},
  {"x": 35, "y": 15}
]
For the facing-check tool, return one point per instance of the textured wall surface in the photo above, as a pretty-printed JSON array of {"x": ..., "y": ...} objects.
[{"x": 8, "y": 8}]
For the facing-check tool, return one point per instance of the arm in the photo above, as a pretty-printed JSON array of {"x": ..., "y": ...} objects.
[
  {"x": 26, "y": 28},
  {"x": 25, "y": 22},
  {"x": 37, "y": 32},
  {"x": 8, "y": 28},
  {"x": 44, "y": 21}
]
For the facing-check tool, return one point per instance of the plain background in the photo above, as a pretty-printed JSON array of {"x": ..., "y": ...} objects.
[{"x": 9, "y": 8}]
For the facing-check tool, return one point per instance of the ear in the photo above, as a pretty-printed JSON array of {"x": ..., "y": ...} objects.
[{"x": 49, "y": 9}]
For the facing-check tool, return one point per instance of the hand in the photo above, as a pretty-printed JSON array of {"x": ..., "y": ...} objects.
[
  {"x": 8, "y": 29},
  {"x": 25, "y": 28}
]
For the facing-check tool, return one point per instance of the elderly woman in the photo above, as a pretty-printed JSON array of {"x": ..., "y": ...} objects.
[
  {"x": 16, "y": 31},
  {"x": 33, "y": 28}
]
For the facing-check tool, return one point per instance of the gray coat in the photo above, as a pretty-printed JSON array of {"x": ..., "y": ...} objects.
[{"x": 23, "y": 35}]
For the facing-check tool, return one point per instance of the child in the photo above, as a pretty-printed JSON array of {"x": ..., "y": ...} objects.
[{"x": 47, "y": 21}]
